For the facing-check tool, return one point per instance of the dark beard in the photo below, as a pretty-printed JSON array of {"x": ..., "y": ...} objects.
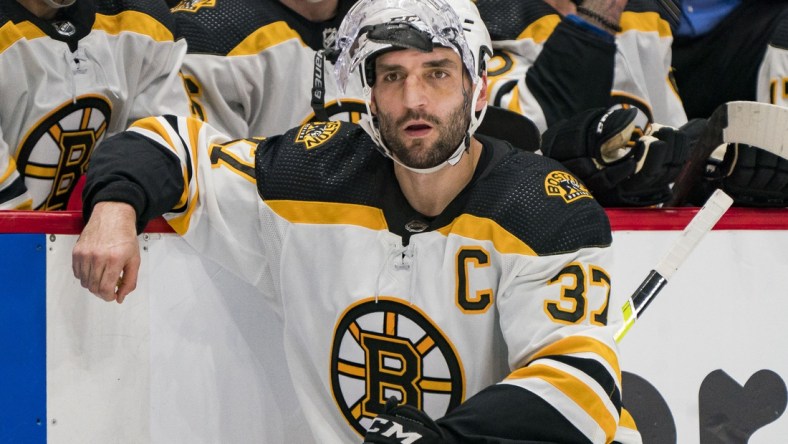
[{"x": 450, "y": 135}]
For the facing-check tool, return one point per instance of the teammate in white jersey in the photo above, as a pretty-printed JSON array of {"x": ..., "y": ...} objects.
[
  {"x": 250, "y": 64},
  {"x": 437, "y": 286},
  {"x": 255, "y": 67},
  {"x": 620, "y": 55},
  {"x": 727, "y": 51},
  {"x": 73, "y": 72}
]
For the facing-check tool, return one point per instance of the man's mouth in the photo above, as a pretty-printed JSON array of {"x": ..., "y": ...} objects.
[{"x": 418, "y": 129}]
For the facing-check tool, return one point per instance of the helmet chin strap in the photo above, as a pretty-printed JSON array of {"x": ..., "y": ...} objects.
[{"x": 59, "y": 3}]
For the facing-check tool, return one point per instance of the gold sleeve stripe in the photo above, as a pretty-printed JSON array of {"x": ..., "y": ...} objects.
[
  {"x": 181, "y": 222},
  {"x": 329, "y": 213},
  {"x": 541, "y": 29},
  {"x": 153, "y": 125},
  {"x": 10, "y": 33},
  {"x": 645, "y": 22},
  {"x": 581, "y": 344},
  {"x": 574, "y": 389},
  {"x": 133, "y": 21},
  {"x": 627, "y": 420},
  {"x": 486, "y": 229},
  {"x": 264, "y": 38}
]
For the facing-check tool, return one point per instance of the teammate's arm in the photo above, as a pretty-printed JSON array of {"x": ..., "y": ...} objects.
[{"x": 131, "y": 180}]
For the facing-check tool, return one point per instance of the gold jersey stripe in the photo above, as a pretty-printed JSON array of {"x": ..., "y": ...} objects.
[
  {"x": 466, "y": 225},
  {"x": 10, "y": 33},
  {"x": 266, "y": 37},
  {"x": 575, "y": 390},
  {"x": 329, "y": 213},
  {"x": 541, "y": 29},
  {"x": 627, "y": 420},
  {"x": 487, "y": 230},
  {"x": 133, "y": 21},
  {"x": 580, "y": 344},
  {"x": 645, "y": 22}
]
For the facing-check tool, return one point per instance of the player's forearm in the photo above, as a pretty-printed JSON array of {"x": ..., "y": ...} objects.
[
  {"x": 133, "y": 169},
  {"x": 562, "y": 88},
  {"x": 507, "y": 413}
]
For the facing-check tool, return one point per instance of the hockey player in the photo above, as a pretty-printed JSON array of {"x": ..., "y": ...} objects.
[
  {"x": 731, "y": 50},
  {"x": 565, "y": 63},
  {"x": 73, "y": 72},
  {"x": 455, "y": 288},
  {"x": 251, "y": 64},
  {"x": 619, "y": 51},
  {"x": 728, "y": 51}
]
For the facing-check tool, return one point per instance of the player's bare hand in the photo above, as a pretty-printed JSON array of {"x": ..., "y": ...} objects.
[
  {"x": 106, "y": 257},
  {"x": 610, "y": 10}
]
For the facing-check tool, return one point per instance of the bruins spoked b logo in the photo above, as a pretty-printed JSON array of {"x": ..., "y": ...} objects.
[
  {"x": 55, "y": 153},
  {"x": 384, "y": 348}
]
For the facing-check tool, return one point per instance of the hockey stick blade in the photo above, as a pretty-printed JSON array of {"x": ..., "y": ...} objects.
[
  {"x": 702, "y": 223},
  {"x": 757, "y": 124}
]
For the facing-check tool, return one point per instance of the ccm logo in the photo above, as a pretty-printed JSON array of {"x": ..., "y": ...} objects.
[{"x": 390, "y": 429}]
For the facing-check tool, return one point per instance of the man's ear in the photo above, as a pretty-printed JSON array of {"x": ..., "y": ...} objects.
[
  {"x": 373, "y": 106},
  {"x": 481, "y": 102}
]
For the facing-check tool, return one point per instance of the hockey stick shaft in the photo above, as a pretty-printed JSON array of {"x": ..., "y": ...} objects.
[{"x": 702, "y": 223}]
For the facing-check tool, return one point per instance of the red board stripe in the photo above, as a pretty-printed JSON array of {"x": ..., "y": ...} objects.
[{"x": 630, "y": 219}]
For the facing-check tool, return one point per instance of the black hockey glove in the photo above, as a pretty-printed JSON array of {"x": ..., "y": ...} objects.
[
  {"x": 596, "y": 145},
  {"x": 403, "y": 423},
  {"x": 751, "y": 176}
]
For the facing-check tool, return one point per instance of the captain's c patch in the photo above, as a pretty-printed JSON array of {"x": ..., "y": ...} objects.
[
  {"x": 563, "y": 184},
  {"x": 312, "y": 135}
]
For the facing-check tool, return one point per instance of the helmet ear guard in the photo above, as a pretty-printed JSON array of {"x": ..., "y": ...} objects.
[{"x": 374, "y": 27}]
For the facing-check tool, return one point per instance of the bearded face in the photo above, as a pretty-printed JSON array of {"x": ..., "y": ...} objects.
[{"x": 421, "y": 153}]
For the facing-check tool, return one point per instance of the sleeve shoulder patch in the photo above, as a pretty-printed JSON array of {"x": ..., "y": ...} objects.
[
  {"x": 314, "y": 134},
  {"x": 566, "y": 186}
]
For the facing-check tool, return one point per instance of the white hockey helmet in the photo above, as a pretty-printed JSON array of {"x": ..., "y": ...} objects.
[
  {"x": 60, "y": 3},
  {"x": 372, "y": 27}
]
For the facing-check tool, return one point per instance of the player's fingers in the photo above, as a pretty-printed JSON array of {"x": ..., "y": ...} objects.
[
  {"x": 128, "y": 282},
  {"x": 80, "y": 265},
  {"x": 102, "y": 282}
]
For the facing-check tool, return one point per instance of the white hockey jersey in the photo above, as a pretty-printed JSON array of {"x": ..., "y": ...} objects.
[
  {"x": 250, "y": 65},
  {"x": 491, "y": 316},
  {"x": 70, "y": 82},
  {"x": 642, "y": 78},
  {"x": 772, "y": 84}
]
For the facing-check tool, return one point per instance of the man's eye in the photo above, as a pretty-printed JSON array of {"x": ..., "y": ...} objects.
[
  {"x": 391, "y": 77},
  {"x": 440, "y": 74}
]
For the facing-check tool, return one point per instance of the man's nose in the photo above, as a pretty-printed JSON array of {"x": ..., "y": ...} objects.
[{"x": 415, "y": 93}]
